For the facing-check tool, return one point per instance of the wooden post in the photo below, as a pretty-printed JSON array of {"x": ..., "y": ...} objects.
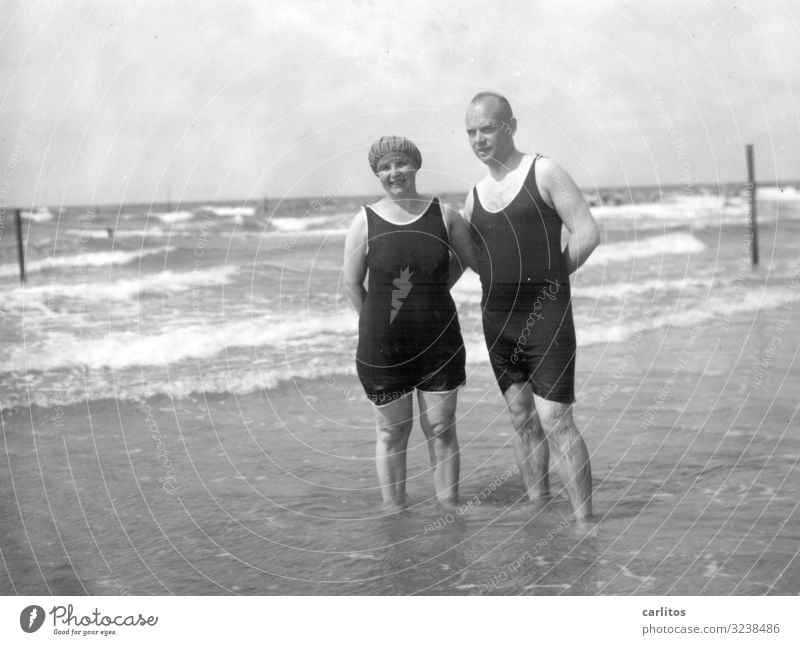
[
  {"x": 20, "y": 251},
  {"x": 751, "y": 180}
]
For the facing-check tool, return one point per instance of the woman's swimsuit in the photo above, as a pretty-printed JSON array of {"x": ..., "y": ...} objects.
[{"x": 408, "y": 331}]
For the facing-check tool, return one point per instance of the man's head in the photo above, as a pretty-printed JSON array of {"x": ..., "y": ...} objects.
[{"x": 490, "y": 127}]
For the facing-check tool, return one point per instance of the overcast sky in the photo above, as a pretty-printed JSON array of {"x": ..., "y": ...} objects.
[{"x": 119, "y": 101}]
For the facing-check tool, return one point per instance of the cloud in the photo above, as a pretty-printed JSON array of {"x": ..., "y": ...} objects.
[{"x": 236, "y": 100}]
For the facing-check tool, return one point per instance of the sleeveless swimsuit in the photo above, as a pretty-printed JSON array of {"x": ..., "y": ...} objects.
[
  {"x": 527, "y": 311},
  {"x": 408, "y": 331}
]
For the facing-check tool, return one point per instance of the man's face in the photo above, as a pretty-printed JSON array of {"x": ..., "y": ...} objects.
[{"x": 490, "y": 131}]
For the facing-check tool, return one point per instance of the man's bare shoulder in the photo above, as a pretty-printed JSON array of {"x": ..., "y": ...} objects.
[{"x": 545, "y": 167}]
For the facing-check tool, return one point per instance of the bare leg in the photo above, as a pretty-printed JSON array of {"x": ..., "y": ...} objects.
[
  {"x": 437, "y": 414},
  {"x": 571, "y": 458},
  {"x": 530, "y": 445},
  {"x": 393, "y": 423}
]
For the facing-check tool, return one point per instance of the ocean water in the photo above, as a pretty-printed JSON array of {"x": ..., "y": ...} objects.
[
  {"x": 124, "y": 303},
  {"x": 180, "y": 412}
]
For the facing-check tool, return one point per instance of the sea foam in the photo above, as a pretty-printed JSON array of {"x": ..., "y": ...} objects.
[
  {"x": 671, "y": 244},
  {"x": 231, "y": 211},
  {"x": 95, "y": 259},
  {"x": 468, "y": 288},
  {"x": 78, "y": 387},
  {"x": 298, "y": 224},
  {"x": 165, "y": 282},
  {"x": 174, "y": 216},
  {"x": 181, "y": 342}
]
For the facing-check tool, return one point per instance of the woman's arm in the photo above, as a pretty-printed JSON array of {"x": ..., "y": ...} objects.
[{"x": 355, "y": 260}]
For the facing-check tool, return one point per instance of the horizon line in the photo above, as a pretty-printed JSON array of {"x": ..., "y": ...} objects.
[{"x": 686, "y": 188}]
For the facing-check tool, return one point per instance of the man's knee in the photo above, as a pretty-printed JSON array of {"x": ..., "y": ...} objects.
[
  {"x": 556, "y": 419},
  {"x": 523, "y": 417}
]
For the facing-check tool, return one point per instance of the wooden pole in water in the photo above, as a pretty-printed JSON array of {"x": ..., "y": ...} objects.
[
  {"x": 751, "y": 180},
  {"x": 20, "y": 251}
]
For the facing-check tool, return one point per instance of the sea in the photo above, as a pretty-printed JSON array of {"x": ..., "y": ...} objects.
[{"x": 180, "y": 411}]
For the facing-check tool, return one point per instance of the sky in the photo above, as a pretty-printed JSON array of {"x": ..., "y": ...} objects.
[{"x": 112, "y": 101}]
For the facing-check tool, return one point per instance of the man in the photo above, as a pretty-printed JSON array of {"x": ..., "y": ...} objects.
[{"x": 517, "y": 212}]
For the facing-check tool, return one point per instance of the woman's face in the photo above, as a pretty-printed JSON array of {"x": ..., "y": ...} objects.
[{"x": 397, "y": 175}]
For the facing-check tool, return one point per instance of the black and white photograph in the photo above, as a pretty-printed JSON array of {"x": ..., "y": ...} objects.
[{"x": 400, "y": 299}]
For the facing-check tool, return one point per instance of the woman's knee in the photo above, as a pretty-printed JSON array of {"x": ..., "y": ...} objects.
[
  {"x": 394, "y": 434},
  {"x": 443, "y": 431}
]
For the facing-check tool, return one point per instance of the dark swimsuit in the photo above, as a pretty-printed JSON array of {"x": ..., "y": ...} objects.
[
  {"x": 408, "y": 331},
  {"x": 527, "y": 312}
]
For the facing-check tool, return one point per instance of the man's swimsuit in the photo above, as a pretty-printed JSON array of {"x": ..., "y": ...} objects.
[
  {"x": 408, "y": 331},
  {"x": 527, "y": 312}
]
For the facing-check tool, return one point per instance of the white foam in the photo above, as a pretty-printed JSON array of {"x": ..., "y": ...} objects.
[
  {"x": 671, "y": 244},
  {"x": 122, "y": 233},
  {"x": 80, "y": 386},
  {"x": 39, "y": 215},
  {"x": 97, "y": 259},
  {"x": 597, "y": 331},
  {"x": 714, "y": 309},
  {"x": 148, "y": 232},
  {"x": 173, "y": 216},
  {"x": 119, "y": 350},
  {"x": 88, "y": 234},
  {"x": 777, "y": 194},
  {"x": 231, "y": 211},
  {"x": 623, "y": 290},
  {"x": 165, "y": 282},
  {"x": 681, "y": 209},
  {"x": 468, "y": 288},
  {"x": 312, "y": 234},
  {"x": 297, "y": 224}
]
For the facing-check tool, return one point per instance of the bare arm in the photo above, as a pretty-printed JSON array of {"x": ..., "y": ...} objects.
[
  {"x": 561, "y": 193},
  {"x": 465, "y": 251},
  {"x": 355, "y": 261}
]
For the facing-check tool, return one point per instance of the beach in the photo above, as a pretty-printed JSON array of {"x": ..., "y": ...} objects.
[{"x": 180, "y": 415}]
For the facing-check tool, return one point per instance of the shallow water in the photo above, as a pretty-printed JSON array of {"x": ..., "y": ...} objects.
[
  {"x": 258, "y": 497},
  {"x": 199, "y": 430}
]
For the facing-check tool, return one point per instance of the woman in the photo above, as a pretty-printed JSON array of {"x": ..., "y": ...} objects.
[{"x": 408, "y": 332}]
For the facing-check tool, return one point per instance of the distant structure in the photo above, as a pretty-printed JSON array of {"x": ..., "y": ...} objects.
[
  {"x": 592, "y": 200},
  {"x": 263, "y": 208}
]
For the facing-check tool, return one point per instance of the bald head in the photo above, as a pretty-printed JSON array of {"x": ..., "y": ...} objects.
[{"x": 497, "y": 102}]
